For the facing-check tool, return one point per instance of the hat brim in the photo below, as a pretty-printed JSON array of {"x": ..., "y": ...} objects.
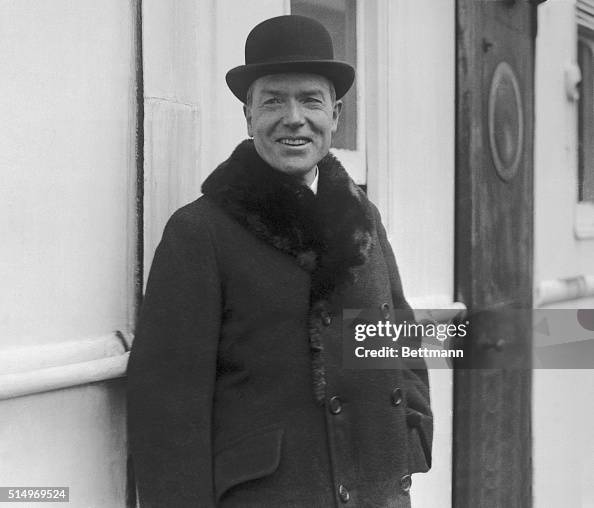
[{"x": 341, "y": 74}]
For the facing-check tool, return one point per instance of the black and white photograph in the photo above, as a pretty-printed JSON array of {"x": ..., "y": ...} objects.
[{"x": 297, "y": 253}]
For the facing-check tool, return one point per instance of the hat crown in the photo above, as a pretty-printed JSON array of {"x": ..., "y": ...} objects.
[
  {"x": 289, "y": 44},
  {"x": 288, "y": 38}
]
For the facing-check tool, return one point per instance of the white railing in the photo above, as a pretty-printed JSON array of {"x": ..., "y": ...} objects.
[
  {"x": 41, "y": 368},
  {"x": 437, "y": 308},
  {"x": 563, "y": 290}
]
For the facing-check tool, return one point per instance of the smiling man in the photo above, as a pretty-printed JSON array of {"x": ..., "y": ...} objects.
[{"x": 237, "y": 395}]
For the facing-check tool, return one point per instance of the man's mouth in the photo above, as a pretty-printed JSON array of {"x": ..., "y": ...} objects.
[{"x": 294, "y": 141}]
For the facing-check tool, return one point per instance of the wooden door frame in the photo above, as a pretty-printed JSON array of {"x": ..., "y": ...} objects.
[{"x": 492, "y": 445}]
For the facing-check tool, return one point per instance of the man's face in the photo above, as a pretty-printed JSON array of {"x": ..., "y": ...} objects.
[{"x": 292, "y": 118}]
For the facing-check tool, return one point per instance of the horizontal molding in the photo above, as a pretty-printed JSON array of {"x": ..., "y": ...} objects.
[
  {"x": 585, "y": 13},
  {"x": 440, "y": 315},
  {"x": 173, "y": 101},
  {"x": 564, "y": 290},
  {"x": 437, "y": 308},
  {"x": 30, "y": 358},
  {"x": 37, "y": 369},
  {"x": 66, "y": 376}
]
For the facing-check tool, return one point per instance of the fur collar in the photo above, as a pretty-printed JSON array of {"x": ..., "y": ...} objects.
[{"x": 328, "y": 234}]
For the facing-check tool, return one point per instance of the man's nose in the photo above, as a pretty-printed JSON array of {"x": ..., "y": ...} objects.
[{"x": 293, "y": 116}]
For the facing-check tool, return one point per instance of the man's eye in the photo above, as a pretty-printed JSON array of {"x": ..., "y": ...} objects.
[
  {"x": 272, "y": 100},
  {"x": 313, "y": 100}
]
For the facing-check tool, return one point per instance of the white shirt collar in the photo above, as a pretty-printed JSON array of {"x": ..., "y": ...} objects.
[{"x": 314, "y": 184}]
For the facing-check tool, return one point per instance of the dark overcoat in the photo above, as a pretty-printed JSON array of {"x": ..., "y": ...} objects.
[{"x": 237, "y": 395}]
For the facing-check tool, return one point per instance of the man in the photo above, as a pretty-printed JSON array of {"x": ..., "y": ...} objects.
[{"x": 237, "y": 395}]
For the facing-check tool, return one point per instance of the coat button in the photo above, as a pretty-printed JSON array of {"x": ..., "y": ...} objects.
[
  {"x": 385, "y": 308},
  {"x": 405, "y": 483},
  {"x": 396, "y": 397},
  {"x": 335, "y": 405},
  {"x": 343, "y": 494},
  {"x": 326, "y": 318}
]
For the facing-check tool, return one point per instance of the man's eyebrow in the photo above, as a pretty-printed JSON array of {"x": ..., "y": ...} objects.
[
  {"x": 273, "y": 91},
  {"x": 270, "y": 91},
  {"x": 313, "y": 91}
]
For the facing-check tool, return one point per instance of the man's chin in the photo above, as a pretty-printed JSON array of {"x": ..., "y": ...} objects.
[{"x": 300, "y": 171}]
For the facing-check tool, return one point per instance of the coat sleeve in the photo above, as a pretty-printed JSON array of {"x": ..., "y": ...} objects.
[
  {"x": 172, "y": 369},
  {"x": 419, "y": 417}
]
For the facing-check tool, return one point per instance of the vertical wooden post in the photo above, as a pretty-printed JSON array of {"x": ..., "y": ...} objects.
[{"x": 493, "y": 259}]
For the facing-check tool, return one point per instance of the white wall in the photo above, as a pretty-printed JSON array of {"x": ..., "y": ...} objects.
[
  {"x": 72, "y": 438},
  {"x": 192, "y": 121},
  {"x": 67, "y": 216},
  {"x": 65, "y": 154},
  {"x": 420, "y": 179},
  {"x": 558, "y": 252},
  {"x": 562, "y": 411},
  {"x": 421, "y": 97}
]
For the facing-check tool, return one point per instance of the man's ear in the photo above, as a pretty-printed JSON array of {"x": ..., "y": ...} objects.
[
  {"x": 247, "y": 112},
  {"x": 336, "y": 109}
]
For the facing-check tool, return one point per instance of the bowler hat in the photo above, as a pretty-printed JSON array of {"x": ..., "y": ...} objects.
[{"x": 289, "y": 44}]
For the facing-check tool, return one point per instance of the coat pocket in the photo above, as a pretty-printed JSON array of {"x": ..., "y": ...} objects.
[
  {"x": 420, "y": 437},
  {"x": 251, "y": 457}
]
